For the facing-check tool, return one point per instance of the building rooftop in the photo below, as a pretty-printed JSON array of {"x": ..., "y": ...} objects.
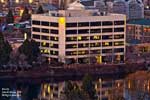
[
  {"x": 88, "y": 3},
  {"x": 140, "y": 22},
  {"x": 76, "y": 13}
]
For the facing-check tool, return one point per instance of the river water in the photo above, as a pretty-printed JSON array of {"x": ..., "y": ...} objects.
[{"x": 52, "y": 89}]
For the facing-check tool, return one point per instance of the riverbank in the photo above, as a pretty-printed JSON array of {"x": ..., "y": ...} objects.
[{"x": 74, "y": 71}]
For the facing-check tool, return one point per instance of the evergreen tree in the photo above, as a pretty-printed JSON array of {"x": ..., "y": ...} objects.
[
  {"x": 10, "y": 17},
  {"x": 31, "y": 50},
  {"x": 89, "y": 87},
  {"x": 25, "y": 15},
  {"x": 5, "y": 50},
  {"x": 40, "y": 10}
]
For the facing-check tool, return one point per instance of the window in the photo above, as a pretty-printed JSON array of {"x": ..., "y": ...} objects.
[
  {"x": 53, "y": 45},
  {"x": 95, "y": 23},
  {"x": 44, "y": 44},
  {"x": 119, "y": 43},
  {"x": 53, "y": 52},
  {"x": 44, "y": 23},
  {"x": 36, "y": 36},
  {"x": 119, "y": 22},
  {"x": 83, "y": 38},
  {"x": 45, "y": 37},
  {"x": 95, "y": 30},
  {"x": 95, "y": 51},
  {"x": 71, "y": 25},
  {"x": 83, "y": 45},
  {"x": 107, "y": 51},
  {"x": 96, "y": 37},
  {"x": 45, "y": 30},
  {"x": 34, "y": 22},
  {"x": 71, "y": 31},
  {"x": 45, "y": 51},
  {"x": 105, "y": 30},
  {"x": 83, "y": 31},
  {"x": 118, "y": 36},
  {"x": 53, "y": 24},
  {"x": 107, "y": 23},
  {"x": 53, "y": 31},
  {"x": 119, "y": 29},
  {"x": 34, "y": 29},
  {"x": 83, "y": 52},
  {"x": 95, "y": 44},
  {"x": 54, "y": 38},
  {"x": 105, "y": 37},
  {"x": 71, "y": 46},
  {"x": 104, "y": 44},
  {"x": 119, "y": 50},
  {"x": 71, "y": 53},
  {"x": 83, "y": 24},
  {"x": 71, "y": 38}
]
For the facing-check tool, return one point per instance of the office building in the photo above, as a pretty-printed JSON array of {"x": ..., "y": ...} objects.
[
  {"x": 77, "y": 35},
  {"x": 138, "y": 30}
]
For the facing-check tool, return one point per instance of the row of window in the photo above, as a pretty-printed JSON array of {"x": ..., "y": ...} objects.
[
  {"x": 52, "y": 31},
  {"x": 45, "y": 23},
  {"x": 45, "y": 37},
  {"x": 51, "y": 52},
  {"x": 98, "y": 44},
  {"x": 104, "y": 30},
  {"x": 48, "y": 45},
  {"x": 80, "y": 24},
  {"x": 96, "y": 37},
  {"x": 80, "y": 31},
  {"x": 85, "y": 52},
  {"x": 98, "y": 23},
  {"x": 82, "y": 45},
  {"x": 79, "y": 38}
]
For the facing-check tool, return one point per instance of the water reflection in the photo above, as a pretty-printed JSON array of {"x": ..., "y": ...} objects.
[{"x": 134, "y": 87}]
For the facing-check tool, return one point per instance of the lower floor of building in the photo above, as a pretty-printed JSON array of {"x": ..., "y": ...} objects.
[{"x": 108, "y": 59}]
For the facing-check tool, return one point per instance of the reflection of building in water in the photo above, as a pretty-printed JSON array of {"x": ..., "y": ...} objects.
[
  {"x": 138, "y": 86},
  {"x": 106, "y": 90}
]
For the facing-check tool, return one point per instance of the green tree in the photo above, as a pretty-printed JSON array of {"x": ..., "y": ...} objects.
[
  {"x": 5, "y": 50},
  {"x": 31, "y": 50},
  {"x": 25, "y": 15},
  {"x": 89, "y": 87},
  {"x": 10, "y": 17},
  {"x": 40, "y": 10}
]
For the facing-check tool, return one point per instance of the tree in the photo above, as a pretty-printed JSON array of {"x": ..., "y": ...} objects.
[
  {"x": 73, "y": 92},
  {"x": 67, "y": 89},
  {"x": 31, "y": 50},
  {"x": 10, "y": 17},
  {"x": 25, "y": 15},
  {"x": 5, "y": 50},
  {"x": 40, "y": 10},
  {"x": 89, "y": 87}
]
